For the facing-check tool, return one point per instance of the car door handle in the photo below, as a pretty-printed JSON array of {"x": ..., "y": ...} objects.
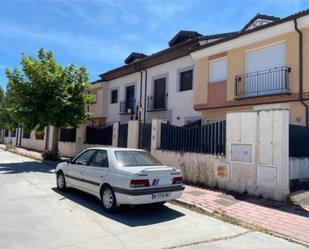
[
  {"x": 102, "y": 176},
  {"x": 81, "y": 172}
]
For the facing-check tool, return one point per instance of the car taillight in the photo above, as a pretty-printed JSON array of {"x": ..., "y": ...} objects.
[
  {"x": 177, "y": 180},
  {"x": 138, "y": 183}
]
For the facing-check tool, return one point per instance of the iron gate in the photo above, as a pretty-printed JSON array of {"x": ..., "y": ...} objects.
[
  {"x": 102, "y": 136},
  {"x": 145, "y": 136},
  {"x": 123, "y": 135},
  {"x": 299, "y": 141}
]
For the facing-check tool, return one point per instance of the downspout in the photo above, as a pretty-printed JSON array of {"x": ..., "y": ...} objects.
[
  {"x": 301, "y": 86},
  {"x": 140, "y": 109},
  {"x": 140, "y": 97},
  {"x": 145, "y": 94}
]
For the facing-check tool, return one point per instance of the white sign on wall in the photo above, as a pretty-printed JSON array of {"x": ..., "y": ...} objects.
[{"x": 242, "y": 153}]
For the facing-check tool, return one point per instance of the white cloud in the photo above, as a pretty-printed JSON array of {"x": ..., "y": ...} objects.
[{"x": 166, "y": 9}]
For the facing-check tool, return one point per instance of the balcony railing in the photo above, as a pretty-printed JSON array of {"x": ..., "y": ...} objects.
[
  {"x": 126, "y": 108},
  {"x": 156, "y": 104},
  {"x": 261, "y": 83}
]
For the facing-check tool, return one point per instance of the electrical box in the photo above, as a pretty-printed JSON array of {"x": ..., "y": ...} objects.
[{"x": 242, "y": 153}]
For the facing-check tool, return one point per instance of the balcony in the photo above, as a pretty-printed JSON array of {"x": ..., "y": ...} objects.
[
  {"x": 262, "y": 83},
  {"x": 126, "y": 108},
  {"x": 156, "y": 104}
]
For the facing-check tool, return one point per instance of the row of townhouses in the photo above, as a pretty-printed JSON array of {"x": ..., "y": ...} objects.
[
  {"x": 203, "y": 77},
  {"x": 230, "y": 110}
]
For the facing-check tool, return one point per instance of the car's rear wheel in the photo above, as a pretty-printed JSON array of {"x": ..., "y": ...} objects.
[
  {"x": 108, "y": 199},
  {"x": 61, "y": 181}
]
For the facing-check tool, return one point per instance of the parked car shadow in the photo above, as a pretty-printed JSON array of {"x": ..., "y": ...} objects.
[
  {"x": 25, "y": 167},
  {"x": 131, "y": 216}
]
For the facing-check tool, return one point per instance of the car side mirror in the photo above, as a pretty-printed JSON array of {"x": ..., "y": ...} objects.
[{"x": 69, "y": 161}]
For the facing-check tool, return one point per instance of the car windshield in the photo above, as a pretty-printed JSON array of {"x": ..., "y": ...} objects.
[{"x": 131, "y": 158}]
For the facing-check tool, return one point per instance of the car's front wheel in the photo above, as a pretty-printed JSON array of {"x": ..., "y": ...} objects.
[
  {"x": 108, "y": 199},
  {"x": 61, "y": 181}
]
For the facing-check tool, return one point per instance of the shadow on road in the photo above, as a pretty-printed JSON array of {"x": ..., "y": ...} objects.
[
  {"x": 130, "y": 216},
  {"x": 26, "y": 167}
]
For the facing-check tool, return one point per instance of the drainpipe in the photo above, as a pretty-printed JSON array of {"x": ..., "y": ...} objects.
[
  {"x": 140, "y": 108},
  {"x": 301, "y": 86},
  {"x": 140, "y": 97},
  {"x": 145, "y": 96}
]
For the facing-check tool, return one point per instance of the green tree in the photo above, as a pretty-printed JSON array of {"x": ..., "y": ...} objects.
[
  {"x": 6, "y": 119},
  {"x": 46, "y": 94},
  {"x": 2, "y": 107}
]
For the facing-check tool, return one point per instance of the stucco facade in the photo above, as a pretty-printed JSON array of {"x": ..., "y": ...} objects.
[
  {"x": 179, "y": 103},
  {"x": 215, "y": 100},
  {"x": 98, "y": 110}
]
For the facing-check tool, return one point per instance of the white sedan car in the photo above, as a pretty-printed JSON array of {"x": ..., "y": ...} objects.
[{"x": 120, "y": 176}]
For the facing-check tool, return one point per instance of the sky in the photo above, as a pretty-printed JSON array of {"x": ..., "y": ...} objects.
[{"x": 100, "y": 34}]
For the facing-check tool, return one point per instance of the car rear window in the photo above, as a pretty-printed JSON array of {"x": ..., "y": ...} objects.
[{"x": 136, "y": 158}]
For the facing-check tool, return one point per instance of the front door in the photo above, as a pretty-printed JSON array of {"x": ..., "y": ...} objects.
[
  {"x": 74, "y": 173},
  {"x": 159, "y": 93},
  {"x": 95, "y": 172}
]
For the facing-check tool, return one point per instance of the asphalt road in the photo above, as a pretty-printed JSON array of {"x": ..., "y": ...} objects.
[{"x": 33, "y": 214}]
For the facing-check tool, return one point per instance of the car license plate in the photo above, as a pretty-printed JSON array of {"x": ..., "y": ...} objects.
[{"x": 160, "y": 195}]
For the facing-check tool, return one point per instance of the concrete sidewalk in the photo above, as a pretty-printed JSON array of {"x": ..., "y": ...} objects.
[
  {"x": 30, "y": 153},
  {"x": 274, "y": 216}
]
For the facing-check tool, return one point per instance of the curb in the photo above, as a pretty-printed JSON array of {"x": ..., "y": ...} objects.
[
  {"x": 220, "y": 215},
  {"x": 53, "y": 163}
]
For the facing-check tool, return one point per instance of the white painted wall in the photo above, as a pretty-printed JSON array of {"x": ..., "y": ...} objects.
[
  {"x": 67, "y": 149},
  {"x": 121, "y": 84},
  {"x": 266, "y": 133},
  {"x": 180, "y": 104},
  {"x": 133, "y": 134},
  {"x": 196, "y": 168},
  {"x": 33, "y": 143}
]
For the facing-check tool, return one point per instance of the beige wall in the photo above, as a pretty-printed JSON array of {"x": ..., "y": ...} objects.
[
  {"x": 297, "y": 116},
  {"x": 99, "y": 109},
  {"x": 297, "y": 111},
  {"x": 236, "y": 66},
  {"x": 201, "y": 81},
  {"x": 236, "y": 61},
  {"x": 221, "y": 113},
  {"x": 306, "y": 58}
]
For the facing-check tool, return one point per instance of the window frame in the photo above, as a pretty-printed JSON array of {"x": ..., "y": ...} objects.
[
  {"x": 133, "y": 85},
  {"x": 82, "y": 153},
  {"x": 210, "y": 81},
  {"x": 93, "y": 157},
  {"x": 111, "y": 96},
  {"x": 179, "y": 72},
  {"x": 282, "y": 42},
  {"x": 152, "y": 88}
]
